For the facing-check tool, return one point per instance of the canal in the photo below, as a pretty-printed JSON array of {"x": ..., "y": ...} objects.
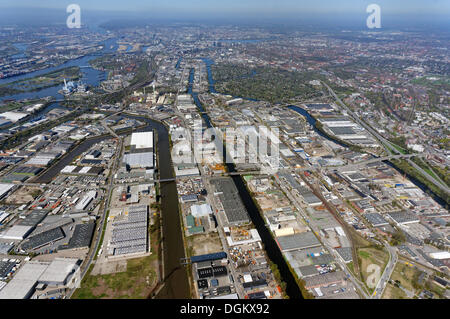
[
  {"x": 312, "y": 121},
  {"x": 54, "y": 170},
  {"x": 176, "y": 280},
  {"x": 270, "y": 245}
]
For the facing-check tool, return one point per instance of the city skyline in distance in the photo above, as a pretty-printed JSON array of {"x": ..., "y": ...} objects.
[{"x": 348, "y": 13}]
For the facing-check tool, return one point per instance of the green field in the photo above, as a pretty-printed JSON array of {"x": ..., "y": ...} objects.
[{"x": 136, "y": 282}]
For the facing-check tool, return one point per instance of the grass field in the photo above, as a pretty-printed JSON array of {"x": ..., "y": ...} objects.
[
  {"x": 136, "y": 282},
  {"x": 392, "y": 292},
  {"x": 406, "y": 275}
]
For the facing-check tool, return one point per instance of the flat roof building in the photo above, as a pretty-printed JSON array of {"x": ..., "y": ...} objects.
[
  {"x": 23, "y": 283},
  {"x": 59, "y": 271},
  {"x": 201, "y": 210},
  {"x": 345, "y": 253},
  {"x": 5, "y": 189},
  {"x": 402, "y": 218},
  {"x": 376, "y": 219},
  {"x": 139, "y": 160},
  {"x": 142, "y": 140},
  {"x": 86, "y": 200},
  {"x": 233, "y": 207},
  {"x": 324, "y": 279},
  {"x": 17, "y": 232},
  {"x": 298, "y": 241}
]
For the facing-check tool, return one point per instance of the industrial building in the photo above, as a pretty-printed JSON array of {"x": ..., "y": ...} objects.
[
  {"x": 345, "y": 253},
  {"x": 43, "y": 238},
  {"x": 34, "y": 218},
  {"x": 17, "y": 232},
  {"x": 142, "y": 140},
  {"x": 324, "y": 280},
  {"x": 23, "y": 284},
  {"x": 233, "y": 207},
  {"x": 184, "y": 103},
  {"x": 376, "y": 219},
  {"x": 139, "y": 160},
  {"x": 55, "y": 273},
  {"x": 86, "y": 200},
  {"x": 5, "y": 189},
  {"x": 298, "y": 241},
  {"x": 13, "y": 116},
  {"x": 202, "y": 210},
  {"x": 59, "y": 271},
  {"x": 403, "y": 218},
  {"x": 81, "y": 237},
  {"x": 130, "y": 235}
]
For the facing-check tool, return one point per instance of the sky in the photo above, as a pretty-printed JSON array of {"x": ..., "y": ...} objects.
[
  {"x": 255, "y": 6},
  {"x": 409, "y": 10}
]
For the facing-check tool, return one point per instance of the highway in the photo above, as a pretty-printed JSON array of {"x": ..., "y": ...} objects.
[
  {"x": 389, "y": 146},
  {"x": 356, "y": 118},
  {"x": 429, "y": 177}
]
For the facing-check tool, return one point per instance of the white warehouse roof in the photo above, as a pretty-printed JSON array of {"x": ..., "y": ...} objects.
[
  {"x": 201, "y": 210},
  {"x": 13, "y": 116},
  {"x": 86, "y": 200},
  {"x": 440, "y": 255},
  {"x": 142, "y": 139},
  {"x": 5, "y": 188},
  {"x": 23, "y": 283},
  {"x": 58, "y": 271},
  {"x": 17, "y": 232}
]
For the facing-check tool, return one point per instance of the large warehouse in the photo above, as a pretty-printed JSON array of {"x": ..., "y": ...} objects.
[
  {"x": 5, "y": 189},
  {"x": 56, "y": 274},
  {"x": 142, "y": 140},
  {"x": 139, "y": 160}
]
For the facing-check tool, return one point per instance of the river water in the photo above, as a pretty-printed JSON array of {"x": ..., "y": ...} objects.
[
  {"x": 312, "y": 121},
  {"x": 90, "y": 76},
  {"x": 176, "y": 281}
]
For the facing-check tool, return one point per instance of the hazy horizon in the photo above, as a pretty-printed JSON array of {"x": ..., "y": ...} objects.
[{"x": 345, "y": 14}]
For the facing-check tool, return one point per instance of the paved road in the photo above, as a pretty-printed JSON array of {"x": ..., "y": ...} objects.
[
  {"x": 94, "y": 248},
  {"x": 429, "y": 177},
  {"x": 359, "y": 121},
  {"x": 381, "y": 285},
  {"x": 386, "y": 144},
  {"x": 316, "y": 230}
]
